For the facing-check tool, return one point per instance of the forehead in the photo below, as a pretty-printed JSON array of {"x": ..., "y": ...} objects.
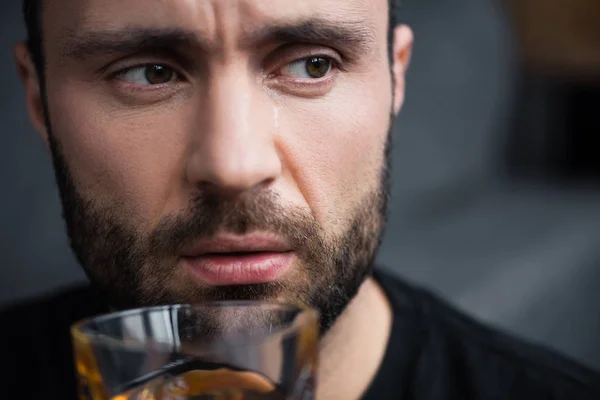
[{"x": 208, "y": 17}]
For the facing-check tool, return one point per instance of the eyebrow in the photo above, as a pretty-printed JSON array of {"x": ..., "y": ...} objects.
[
  {"x": 86, "y": 44},
  {"x": 356, "y": 36},
  {"x": 353, "y": 33}
]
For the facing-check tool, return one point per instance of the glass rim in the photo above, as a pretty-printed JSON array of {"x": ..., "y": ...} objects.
[
  {"x": 307, "y": 315},
  {"x": 303, "y": 327}
]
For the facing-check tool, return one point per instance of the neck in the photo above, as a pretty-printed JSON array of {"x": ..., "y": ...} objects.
[{"x": 353, "y": 349}]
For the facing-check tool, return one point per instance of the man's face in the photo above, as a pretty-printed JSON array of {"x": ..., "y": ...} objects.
[{"x": 211, "y": 149}]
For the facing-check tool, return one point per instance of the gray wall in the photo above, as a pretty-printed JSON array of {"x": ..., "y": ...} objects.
[{"x": 522, "y": 257}]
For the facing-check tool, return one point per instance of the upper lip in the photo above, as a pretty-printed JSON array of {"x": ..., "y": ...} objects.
[{"x": 230, "y": 243}]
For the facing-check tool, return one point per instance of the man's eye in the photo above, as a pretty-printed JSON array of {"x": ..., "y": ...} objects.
[
  {"x": 155, "y": 74},
  {"x": 309, "y": 68}
]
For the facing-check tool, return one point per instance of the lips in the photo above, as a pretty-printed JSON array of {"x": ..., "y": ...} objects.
[{"x": 239, "y": 260}]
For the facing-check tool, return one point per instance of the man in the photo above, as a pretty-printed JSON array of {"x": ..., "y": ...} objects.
[{"x": 239, "y": 149}]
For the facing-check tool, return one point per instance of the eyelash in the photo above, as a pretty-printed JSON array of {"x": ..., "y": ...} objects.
[
  {"x": 115, "y": 76},
  {"x": 335, "y": 64}
]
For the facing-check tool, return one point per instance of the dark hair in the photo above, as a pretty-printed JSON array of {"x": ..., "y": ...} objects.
[{"x": 32, "y": 10}]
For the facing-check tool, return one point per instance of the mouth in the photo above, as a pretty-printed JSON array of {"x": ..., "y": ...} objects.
[{"x": 239, "y": 260}]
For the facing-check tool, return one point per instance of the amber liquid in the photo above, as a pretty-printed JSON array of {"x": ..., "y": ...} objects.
[
  {"x": 220, "y": 384},
  {"x": 186, "y": 378}
]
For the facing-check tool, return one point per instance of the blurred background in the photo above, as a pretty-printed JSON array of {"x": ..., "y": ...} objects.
[{"x": 495, "y": 202}]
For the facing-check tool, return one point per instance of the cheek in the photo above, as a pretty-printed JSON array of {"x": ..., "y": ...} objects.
[
  {"x": 337, "y": 146},
  {"x": 132, "y": 158}
]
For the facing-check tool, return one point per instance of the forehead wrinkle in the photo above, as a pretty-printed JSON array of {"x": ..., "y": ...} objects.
[{"x": 248, "y": 16}]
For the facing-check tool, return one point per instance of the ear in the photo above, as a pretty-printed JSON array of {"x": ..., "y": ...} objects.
[
  {"x": 33, "y": 96},
  {"x": 402, "y": 51}
]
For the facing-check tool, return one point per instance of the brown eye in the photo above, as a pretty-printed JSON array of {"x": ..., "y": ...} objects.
[
  {"x": 317, "y": 67},
  {"x": 154, "y": 74},
  {"x": 309, "y": 68},
  {"x": 158, "y": 74}
]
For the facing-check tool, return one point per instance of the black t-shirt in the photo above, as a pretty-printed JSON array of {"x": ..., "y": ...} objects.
[
  {"x": 434, "y": 353},
  {"x": 438, "y": 353}
]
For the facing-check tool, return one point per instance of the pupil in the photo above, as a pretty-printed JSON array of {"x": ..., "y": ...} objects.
[
  {"x": 157, "y": 74},
  {"x": 317, "y": 67}
]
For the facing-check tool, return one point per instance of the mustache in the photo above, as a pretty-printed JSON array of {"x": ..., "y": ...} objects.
[{"x": 208, "y": 214}]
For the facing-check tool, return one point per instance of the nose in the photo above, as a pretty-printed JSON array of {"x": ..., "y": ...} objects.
[{"x": 234, "y": 144}]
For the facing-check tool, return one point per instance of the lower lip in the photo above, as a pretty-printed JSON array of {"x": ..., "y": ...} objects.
[{"x": 253, "y": 268}]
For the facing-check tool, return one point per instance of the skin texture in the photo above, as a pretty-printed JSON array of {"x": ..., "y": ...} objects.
[{"x": 239, "y": 140}]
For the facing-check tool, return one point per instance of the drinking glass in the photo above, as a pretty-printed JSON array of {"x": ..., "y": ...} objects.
[{"x": 224, "y": 351}]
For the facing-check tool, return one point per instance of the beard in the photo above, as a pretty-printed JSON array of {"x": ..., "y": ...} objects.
[{"x": 133, "y": 266}]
